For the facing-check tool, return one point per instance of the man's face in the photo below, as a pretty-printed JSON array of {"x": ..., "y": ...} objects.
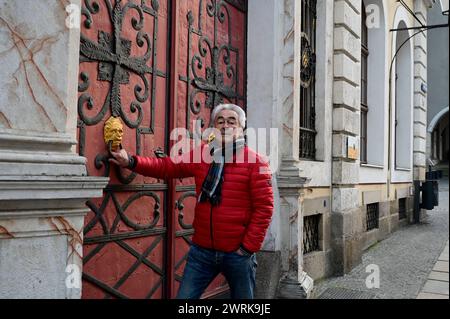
[{"x": 227, "y": 122}]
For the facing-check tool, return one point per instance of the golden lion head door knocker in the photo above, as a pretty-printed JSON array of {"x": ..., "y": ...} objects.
[{"x": 113, "y": 134}]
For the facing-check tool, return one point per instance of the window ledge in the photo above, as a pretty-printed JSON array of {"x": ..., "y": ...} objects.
[
  {"x": 311, "y": 160},
  {"x": 313, "y": 253},
  {"x": 403, "y": 169},
  {"x": 372, "y": 166}
]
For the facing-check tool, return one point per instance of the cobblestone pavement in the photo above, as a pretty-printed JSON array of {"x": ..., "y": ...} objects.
[{"x": 405, "y": 259}]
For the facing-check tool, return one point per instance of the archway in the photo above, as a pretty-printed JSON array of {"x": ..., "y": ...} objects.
[{"x": 439, "y": 134}]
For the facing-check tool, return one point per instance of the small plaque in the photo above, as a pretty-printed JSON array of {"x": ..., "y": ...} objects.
[{"x": 352, "y": 148}]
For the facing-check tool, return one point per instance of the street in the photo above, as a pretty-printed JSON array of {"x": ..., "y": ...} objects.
[{"x": 405, "y": 260}]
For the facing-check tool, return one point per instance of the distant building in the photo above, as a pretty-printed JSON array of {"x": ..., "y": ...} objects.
[
  {"x": 329, "y": 82},
  {"x": 437, "y": 119}
]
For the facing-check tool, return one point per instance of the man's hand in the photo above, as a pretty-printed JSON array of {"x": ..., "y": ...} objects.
[
  {"x": 120, "y": 158},
  {"x": 241, "y": 252}
]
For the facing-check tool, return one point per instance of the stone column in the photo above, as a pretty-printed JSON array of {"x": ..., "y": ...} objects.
[
  {"x": 346, "y": 217},
  {"x": 295, "y": 283},
  {"x": 420, "y": 96},
  {"x": 43, "y": 182},
  {"x": 263, "y": 83}
]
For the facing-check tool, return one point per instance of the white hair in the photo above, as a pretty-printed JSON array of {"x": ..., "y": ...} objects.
[{"x": 232, "y": 107}]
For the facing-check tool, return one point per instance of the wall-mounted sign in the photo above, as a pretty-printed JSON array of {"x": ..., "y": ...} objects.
[{"x": 352, "y": 148}]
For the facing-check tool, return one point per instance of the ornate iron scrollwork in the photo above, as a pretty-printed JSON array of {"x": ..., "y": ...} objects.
[
  {"x": 121, "y": 210},
  {"x": 112, "y": 52},
  {"x": 239, "y": 4},
  {"x": 307, "y": 80},
  {"x": 213, "y": 84},
  {"x": 308, "y": 62},
  {"x": 187, "y": 229},
  {"x": 113, "y": 56},
  {"x": 180, "y": 206}
]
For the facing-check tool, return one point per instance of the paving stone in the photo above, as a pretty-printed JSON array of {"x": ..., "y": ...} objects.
[
  {"x": 426, "y": 295},
  {"x": 437, "y": 275},
  {"x": 343, "y": 293},
  {"x": 436, "y": 287},
  {"x": 441, "y": 266}
]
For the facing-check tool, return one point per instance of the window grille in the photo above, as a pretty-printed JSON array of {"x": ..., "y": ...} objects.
[
  {"x": 308, "y": 80},
  {"x": 364, "y": 81},
  {"x": 402, "y": 208},
  {"x": 373, "y": 214},
  {"x": 311, "y": 233}
]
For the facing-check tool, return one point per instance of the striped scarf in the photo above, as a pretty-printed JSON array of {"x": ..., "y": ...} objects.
[{"x": 212, "y": 185}]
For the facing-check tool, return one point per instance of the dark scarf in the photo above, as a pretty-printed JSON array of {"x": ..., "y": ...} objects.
[{"x": 212, "y": 185}]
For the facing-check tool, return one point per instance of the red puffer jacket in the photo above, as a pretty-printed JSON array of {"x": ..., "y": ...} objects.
[{"x": 244, "y": 214}]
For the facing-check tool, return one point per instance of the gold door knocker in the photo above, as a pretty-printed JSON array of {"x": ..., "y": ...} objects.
[
  {"x": 113, "y": 134},
  {"x": 211, "y": 138}
]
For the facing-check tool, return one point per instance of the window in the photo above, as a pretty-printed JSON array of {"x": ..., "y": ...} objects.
[
  {"x": 307, "y": 81},
  {"x": 373, "y": 214},
  {"x": 404, "y": 103},
  {"x": 402, "y": 208},
  {"x": 364, "y": 81},
  {"x": 311, "y": 233}
]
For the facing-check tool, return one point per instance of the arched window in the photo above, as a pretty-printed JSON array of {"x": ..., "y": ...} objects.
[
  {"x": 403, "y": 99},
  {"x": 307, "y": 80},
  {"x": 364, "y": 81}
]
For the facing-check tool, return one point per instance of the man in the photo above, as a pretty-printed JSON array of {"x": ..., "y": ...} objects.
[{"x": 234, "y": 207}]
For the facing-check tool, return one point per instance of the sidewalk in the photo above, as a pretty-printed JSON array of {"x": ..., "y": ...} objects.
[
  {"x": 436, "y": 286},
  {"x": 412, "y": 260}
]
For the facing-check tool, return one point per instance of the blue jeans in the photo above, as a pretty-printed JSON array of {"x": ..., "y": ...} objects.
[{"x": 203, "y": 265}]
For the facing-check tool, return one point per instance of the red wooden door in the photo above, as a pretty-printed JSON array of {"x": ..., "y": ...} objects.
[
  {"x": 156, "y": 65},
  {"x": 210, "y": 68}
]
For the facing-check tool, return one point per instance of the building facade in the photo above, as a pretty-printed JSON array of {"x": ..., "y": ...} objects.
[
  {"x": 437, "y": 119},
  {"x": 349, "y": 99},
  {"x": 350, "y": 121}
]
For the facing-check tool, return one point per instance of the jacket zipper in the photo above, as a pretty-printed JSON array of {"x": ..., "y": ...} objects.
[{"x": 211, "y": 227}]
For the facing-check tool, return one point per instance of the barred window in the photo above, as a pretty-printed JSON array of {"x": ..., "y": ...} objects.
[
  {"x": 308, "y": 80},
  {"x": 373, "y": 214},
  {"x": 311, "y": 233},
  {"x": 364, "y": 77},
  {"x": 402, "y": 208}
]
